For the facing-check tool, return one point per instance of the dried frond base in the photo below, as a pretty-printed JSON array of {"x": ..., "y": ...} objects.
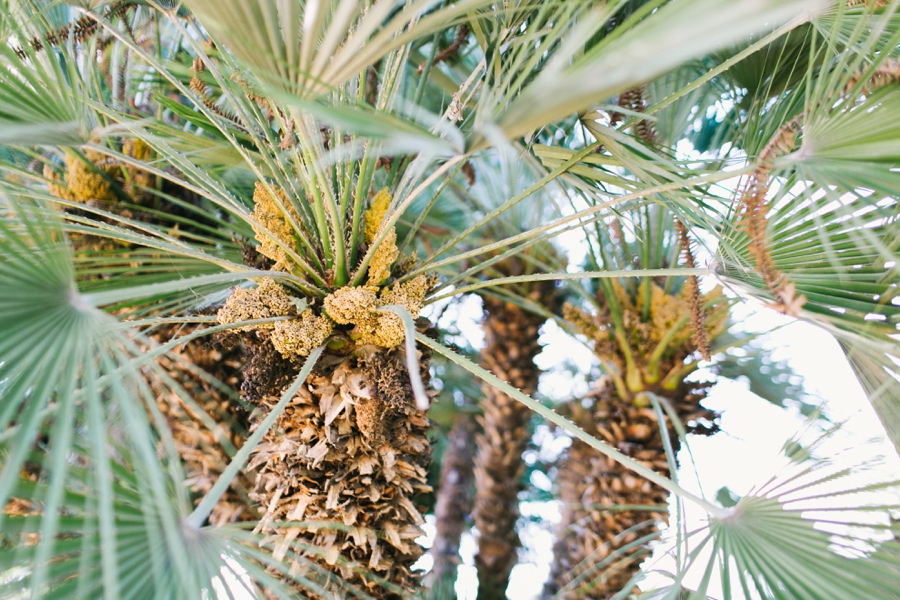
[
  {"x": 348, "y": 457},
  {"x": 591, "y": 560},
  {"x": 203, "y": 457},
  {"x": 698, "y": 317}
]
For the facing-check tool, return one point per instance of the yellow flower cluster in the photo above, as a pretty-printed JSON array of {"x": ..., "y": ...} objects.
[
  {"x": 667, "y": 319},
  {"x": 387, "y": 252},
  {"x": 298, "y": 337},
  {"x": 84, "y": 181},
  {"x": 375, "y": 214},
  {"x": 273, "y": 223},
  {"x": 383, "y": 258},
  {"x": 599, "y": 330},
  {"x": 266, "y": 300},
  {"x": 139, "y": 150},
  {"x": 53, "y": 185},
  {"x": 359, "y": 305}
]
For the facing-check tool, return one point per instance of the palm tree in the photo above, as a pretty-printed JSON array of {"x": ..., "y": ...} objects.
[
  {"x": 603, "y": 554},
  {"x": 649, "y": 336},
  {"x": 455, "y": 499},
  {"x": 512, "y": 319},
  {"x": 511, "y": 335},
  {"x": 306, "y": 131}
]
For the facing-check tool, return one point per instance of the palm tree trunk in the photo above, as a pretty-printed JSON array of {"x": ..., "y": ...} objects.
[
  {"x": 601, "y": 543},
  {"x": 454, "y": 504},
  {"x": 349, "y": 454},
  {"x": 512, "y": 344},
  {"x": 199, "y": 445}
]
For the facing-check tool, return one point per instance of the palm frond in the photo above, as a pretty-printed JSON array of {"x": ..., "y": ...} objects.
[
  {"x": 830, "y": 228},
  {"x": 309, "y": 51},
  {"x": 781, "y": 540},
  {"x": 652, "y": 46},
  {"x": 42, "y": 100}
]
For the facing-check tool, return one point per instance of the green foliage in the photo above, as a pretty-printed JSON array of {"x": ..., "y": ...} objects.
[{"x": 321, "y": 106}]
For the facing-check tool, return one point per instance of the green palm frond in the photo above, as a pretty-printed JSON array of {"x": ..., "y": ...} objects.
[
  {"x": 42, "y": 100},
  {"x": 308, "y": 51},
  {"x": 643, "y": 51},
  {"x": 308, "y": 111},
  {"x": 67, "y": 372},
  {"x": 89, "y": 464},
  {"x": 831, "y": 226},
  {"x": 780, "y": 541}
]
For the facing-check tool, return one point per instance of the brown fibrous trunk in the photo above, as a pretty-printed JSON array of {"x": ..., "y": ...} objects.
[
  {"x": 201, "y": 448},
  {"x": 455, "y": 500},
  {"x": 348, "y": 458},
  {"x": 607, "y": 508},
  {"x": 511, "y": 344}
]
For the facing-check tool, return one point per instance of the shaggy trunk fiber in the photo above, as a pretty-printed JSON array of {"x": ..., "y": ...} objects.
[
  {"x": 348, "y": 456},
  {"x": 596, "y": 551},
  {"x": 608, "y": 508},
  {"x": 454, "y": 503},
  {"x": 512, "y": 343},
  {"x": 199, "y": 437}
]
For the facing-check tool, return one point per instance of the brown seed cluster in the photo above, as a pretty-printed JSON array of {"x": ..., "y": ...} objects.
[
  {"x": 753, "y": 197},
  {"x": 755, "y": 222},
  {"x": 701, "y": 340},
  {"x": 635, "y": 101},
  {"x": 348, "y": 456},
  {"x": 79, "y": 31},
  {"x": 886, "y": 73},
  {"x": 200, "y": 88}
]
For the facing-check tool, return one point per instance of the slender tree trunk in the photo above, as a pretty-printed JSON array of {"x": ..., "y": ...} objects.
[
  {"x": 454, "y": 504},
  {"x": 349, "y": 454},
  {"x": 512, "y": 344}
]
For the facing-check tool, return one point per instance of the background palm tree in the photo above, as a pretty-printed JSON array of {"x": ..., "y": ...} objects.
[
  {"x": 455, "y": 500},
  {"x": 307, "y": 132},
  {"x": 511, "y": 344},
  {"x": 646, "y": 335},
  {"x": 512, "y": 319}
]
